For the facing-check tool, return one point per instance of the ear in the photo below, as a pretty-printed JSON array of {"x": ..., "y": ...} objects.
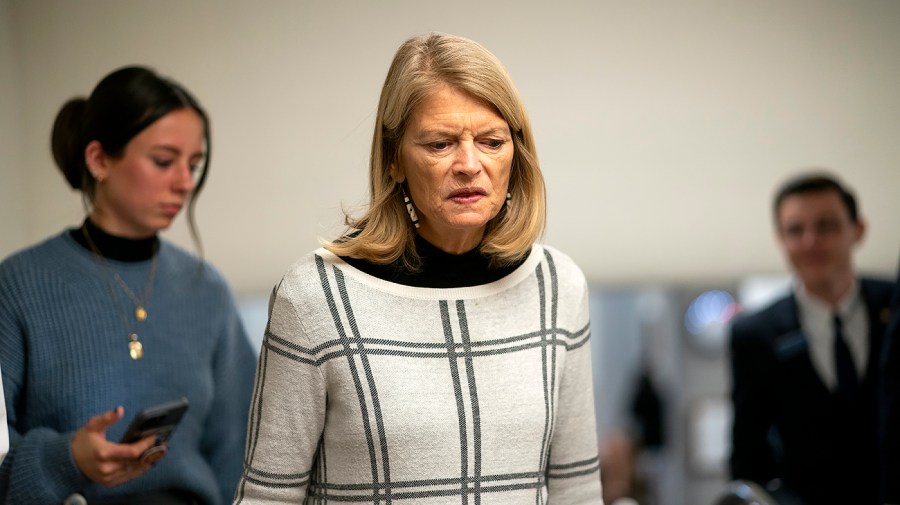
[
  {"x": 96, "y": 160},
  {"x": 396, "y": 174},
  {"x": 859, "y": 230}
]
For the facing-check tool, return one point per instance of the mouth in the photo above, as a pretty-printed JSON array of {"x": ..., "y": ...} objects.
[
  {"x": 171, "y": 209},
  {"x": 467, "y": 195}
]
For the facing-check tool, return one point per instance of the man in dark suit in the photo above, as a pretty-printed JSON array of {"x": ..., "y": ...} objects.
[
  {"x": 890, "y": 397},
  {"x": 804, "y": 369}
]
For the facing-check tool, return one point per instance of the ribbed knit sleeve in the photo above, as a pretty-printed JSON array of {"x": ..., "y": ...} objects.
[
  {"x": 573, "y": 472},
  {"x": 225, "y": 426},
  {"x": 288, "y": 409},
  {"x": 39, "y": 467}
]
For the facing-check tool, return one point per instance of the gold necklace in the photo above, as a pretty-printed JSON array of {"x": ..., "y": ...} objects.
[{"x": 135, "y": 348}]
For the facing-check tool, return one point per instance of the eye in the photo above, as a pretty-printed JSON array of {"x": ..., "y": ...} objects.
[
  {"x": 441, "y": 145},
  {"x": 827, "y": 226},
  {"x": 794, "y": 230},
  {"x": 197, "y": 165},
  {"x": 494, "y": 143},
  {"x": 163, "y": 163}
]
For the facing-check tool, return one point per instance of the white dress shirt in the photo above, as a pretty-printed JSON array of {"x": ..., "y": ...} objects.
[{"x": 816, "y": 321}]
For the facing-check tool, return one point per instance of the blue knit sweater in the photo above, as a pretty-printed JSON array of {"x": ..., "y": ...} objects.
[{"x": 64, "y": 359}]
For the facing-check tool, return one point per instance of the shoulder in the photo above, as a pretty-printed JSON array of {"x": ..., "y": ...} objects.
[
  {"x": 560, "y": 264},
  {"x": 179, "y": 263},
  {"x": 311, "y": 263},
  {"x": 567, "y": 284},
  {"x": 296, "y": 301},
  {"x": 771, "y": 320},
  {"x": 177, "y": 255},
  {"x": 877, "y": 291},
  {"x": 50, "y": 253},
  {"x": 303, "y": 278}
]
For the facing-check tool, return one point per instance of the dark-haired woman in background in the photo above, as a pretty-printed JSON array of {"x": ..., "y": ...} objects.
[{"x": 101, "y": 321}]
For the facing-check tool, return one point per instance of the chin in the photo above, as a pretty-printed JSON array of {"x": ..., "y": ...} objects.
[
  {"x": 469, "y": 226},
  {"x": 470, "y": 220},
  {"x": 816, "y": 276},
  {"x": 161, "y": 225}
]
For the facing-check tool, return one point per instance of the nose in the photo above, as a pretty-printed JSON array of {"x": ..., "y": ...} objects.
[
  {"x": 468, "y": 161},
  {"x": 809, "y": 238},
  {"x": 184, "y": 178}
]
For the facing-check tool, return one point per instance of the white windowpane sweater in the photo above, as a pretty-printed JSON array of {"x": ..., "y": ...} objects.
[{"x": 369, "y": 391}]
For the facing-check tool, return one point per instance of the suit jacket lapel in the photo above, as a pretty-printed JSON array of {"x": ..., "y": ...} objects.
[
  {"x": 878, "y": 318},
  {"x": 791, "y": 348}
]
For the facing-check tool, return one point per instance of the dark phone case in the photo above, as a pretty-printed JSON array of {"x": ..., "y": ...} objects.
[{"x": 159, "y": 420}]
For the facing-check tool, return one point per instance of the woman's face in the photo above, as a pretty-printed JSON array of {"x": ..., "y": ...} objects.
[
  {"x": 141, "y": 192},
  {"x": 455, "y": 156}
]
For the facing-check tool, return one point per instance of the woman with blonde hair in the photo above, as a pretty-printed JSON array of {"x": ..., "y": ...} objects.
[{"x": 435, "y": 352}]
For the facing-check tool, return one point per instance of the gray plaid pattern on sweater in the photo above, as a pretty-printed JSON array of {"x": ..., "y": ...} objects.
[{"x": 373, "y": 392}]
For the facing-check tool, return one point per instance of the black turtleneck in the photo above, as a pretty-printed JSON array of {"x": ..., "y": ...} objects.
[
  {"x": 439, "y": 269},
  {"x": 113, "y": 247}
]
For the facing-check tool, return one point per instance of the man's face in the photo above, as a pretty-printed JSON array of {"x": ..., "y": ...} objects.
[{"x": 818, "y": 237}]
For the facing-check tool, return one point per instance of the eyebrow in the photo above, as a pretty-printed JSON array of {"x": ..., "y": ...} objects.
[
  {"x": 440, "y": 132},
  {"x": 175, "y": 150},
  {"x": 500, "y": 130}
]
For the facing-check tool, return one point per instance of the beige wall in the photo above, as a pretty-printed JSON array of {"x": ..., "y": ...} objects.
[
  {"x": 662, "y": 128},
  {"x": 13, "y": 218}
]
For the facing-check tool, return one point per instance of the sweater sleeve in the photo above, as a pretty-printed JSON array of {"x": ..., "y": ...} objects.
[
  {"x": 224, "y": 429},
  {"x": 573, "y": 470},
  {"x": 287, "y": 414},
  {"x": 39, "y": 467}
]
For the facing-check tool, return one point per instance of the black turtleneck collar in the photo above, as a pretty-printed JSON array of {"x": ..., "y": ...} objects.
[
  {"x": 113, "y": 247},
  {"x": 439, "y": 269}
]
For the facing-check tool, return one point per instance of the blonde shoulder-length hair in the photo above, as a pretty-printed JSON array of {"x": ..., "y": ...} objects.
[{"x": 384, "y": 233}]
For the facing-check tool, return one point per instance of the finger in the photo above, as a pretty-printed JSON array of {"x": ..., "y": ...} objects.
[
  {"x": 113, "y": 452},
  {"x": 112, "y": 473},
  {"x": 145, "y": 443},
  {"x": 131, "y": 453},
  {"x": 122, "y": 476},
  {"x": 134, "y": 469},
  {"x": 153, "y": 455},
  {"x": 100, "y": 422},
  {"x": 123, "y": 471}
]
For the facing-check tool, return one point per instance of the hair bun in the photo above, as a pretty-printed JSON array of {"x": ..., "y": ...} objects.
[{"x": 66, "y": 141}]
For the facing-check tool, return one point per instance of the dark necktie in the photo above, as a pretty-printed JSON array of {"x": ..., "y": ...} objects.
[{"x": 847, "y": 378}]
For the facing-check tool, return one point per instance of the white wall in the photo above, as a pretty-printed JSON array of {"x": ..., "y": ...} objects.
[
  {"x": 662, "y": 127},
  {"x": 12, "y": 173}
]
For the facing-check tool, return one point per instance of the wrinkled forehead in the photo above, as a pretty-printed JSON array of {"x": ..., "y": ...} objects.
[{"x": 450, "y": 106}]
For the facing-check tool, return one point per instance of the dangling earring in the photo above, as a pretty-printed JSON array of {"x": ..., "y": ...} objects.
[
  {"x": 409, "y": 208},
  {"x": 508, "y": 200}
]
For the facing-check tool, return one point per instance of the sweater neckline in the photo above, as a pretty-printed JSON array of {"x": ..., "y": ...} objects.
[
  {"x": 521, "y": 272},
  {"x": 440, "y": 269},
  {"x": 113, "y": 247}
]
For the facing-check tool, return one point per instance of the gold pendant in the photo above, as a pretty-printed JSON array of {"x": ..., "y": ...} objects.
[
  {"x": 135, "y": 349},
  {"x": 140, "y": 313}
]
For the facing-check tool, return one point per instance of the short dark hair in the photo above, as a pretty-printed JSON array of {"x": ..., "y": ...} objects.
[{"x": 813, "y": 182}]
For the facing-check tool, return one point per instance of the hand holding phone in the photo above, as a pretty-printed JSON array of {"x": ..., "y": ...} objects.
[{"x": 159, "y": 420}]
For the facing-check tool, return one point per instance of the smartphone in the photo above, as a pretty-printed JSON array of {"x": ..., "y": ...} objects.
[{"x": 159, "y": 420}]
